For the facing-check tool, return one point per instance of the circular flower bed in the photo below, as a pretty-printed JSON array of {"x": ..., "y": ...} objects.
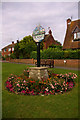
[{"x": 56, "y": 83}]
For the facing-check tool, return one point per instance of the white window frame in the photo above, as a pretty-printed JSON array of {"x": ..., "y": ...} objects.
[
  {"x": 12, "y": 48},
  {"x": 4, "y": 50},
  {"x": 9, "y": 49},
  {"x": 76, "y": 35}
]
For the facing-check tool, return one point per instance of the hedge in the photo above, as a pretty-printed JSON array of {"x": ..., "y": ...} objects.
[{"x": 52, "y": 53}]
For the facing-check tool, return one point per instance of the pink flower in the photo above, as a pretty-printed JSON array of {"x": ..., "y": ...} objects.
[
  {"x": 7, "y": 82},
  {"x": 18, "y": 85},
  {"x": 70, "y": 85},
  {"x": 23, "y": 91},
  {"x": 24, "y": 81},
  {"x": 11, "y": 89},
  {"x": 55, "y": 83}
]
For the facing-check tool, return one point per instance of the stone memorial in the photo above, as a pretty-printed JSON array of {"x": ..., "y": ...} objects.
[{"x": 38, "y": 73}]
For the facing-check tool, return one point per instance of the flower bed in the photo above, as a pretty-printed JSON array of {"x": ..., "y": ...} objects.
[{"x": 56, "y": 83}]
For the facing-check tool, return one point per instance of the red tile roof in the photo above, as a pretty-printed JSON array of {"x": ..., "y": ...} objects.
[{"x": 68, "y": 43}]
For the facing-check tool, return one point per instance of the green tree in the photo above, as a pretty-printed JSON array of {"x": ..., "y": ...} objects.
[
  {"x": 55, "y": 46},
  {"x": 16, "y": 51},
  {"x": 26, "y": 46}
]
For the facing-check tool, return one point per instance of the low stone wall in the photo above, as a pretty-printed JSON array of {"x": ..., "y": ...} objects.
[{"x": 73, "y": 63}]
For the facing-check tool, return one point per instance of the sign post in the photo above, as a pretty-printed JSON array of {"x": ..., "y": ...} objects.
[
  {"x": 38, "y": 36},
  {"x": 38, "y": 54}
]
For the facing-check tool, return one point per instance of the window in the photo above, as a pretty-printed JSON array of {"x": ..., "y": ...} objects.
[
  {"x": 5, "y": 50},
  {"x": 77, "y": 35},
  {"x": 9, "y": 49},
  {"x": 74, "y": 35},
  {"x": 12, "y": 49}
]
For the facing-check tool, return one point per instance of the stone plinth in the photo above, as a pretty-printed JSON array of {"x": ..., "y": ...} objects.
[{"x": 37, "y": 73}]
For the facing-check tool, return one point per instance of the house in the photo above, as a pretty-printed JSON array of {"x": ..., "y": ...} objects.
[
  {"x": 6, "y": 51},
  {"x": 72, "y": 37},
  {"x": 49, "y": 40}
]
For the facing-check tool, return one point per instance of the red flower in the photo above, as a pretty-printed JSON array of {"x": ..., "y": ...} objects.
[
  {"x": 66, "y": 82},
  {"x": 18, "y": 77},
  {"x": 32, "y": 81}
]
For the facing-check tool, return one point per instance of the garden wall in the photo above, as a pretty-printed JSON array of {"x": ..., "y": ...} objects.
[
  {"x": 73, "y": 63},
  {"x": 27, "y": 61}
]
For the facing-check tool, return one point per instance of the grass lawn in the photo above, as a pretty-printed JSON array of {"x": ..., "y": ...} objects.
[{"x": 52, "y": 106}]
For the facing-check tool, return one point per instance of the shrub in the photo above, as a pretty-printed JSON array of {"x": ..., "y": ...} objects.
[
  {"x": 3, "y": 58},
  {"x": 55, "y": 53}
]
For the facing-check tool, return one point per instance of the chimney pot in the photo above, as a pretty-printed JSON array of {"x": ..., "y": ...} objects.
[
  {"x": 68, "y": 21},
  {"x": 12, "y": 42},
  {"x": 17, "y": 41}
]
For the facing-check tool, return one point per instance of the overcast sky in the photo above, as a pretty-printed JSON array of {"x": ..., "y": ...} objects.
[{"x": 20, "y": 18}]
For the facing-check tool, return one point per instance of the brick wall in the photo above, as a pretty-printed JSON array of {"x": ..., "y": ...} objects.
[
  {"x": 27, "y": 61},
  {"x": 73, "y": 63}
]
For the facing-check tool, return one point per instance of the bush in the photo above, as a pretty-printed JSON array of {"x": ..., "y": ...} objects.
[
  {"x": 12, "y": 56},
  {"x": 55, "y": 53},
  {"x": 3, "y": 58}
]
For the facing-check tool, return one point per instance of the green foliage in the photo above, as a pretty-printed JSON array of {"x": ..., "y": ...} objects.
[
  {"x": 55, "y": 46},
  {"x": 24, "y": 48},
  {"x": 17, "y": 51},
  {"x": 3, "y": 58},
  {"x": 33, "y": 55},
  {"x": 12, "y": 56},
  {"x": 0, "y": 55},
  {"x": 55, "y": 53},
  {"x": 6, "y": 56}
]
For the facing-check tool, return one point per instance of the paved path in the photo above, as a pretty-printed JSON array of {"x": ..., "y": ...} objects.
[
  {"x": 68, "y": 68},
  {"x": 54, "y": 67}
]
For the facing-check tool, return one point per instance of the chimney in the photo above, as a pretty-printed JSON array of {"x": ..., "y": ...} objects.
[
  {"x": 17, "y": 41},
  {"x": 50, "y": 32},
  {"x": 12, "y": 42},
  {"x": 68, "y": 21}
]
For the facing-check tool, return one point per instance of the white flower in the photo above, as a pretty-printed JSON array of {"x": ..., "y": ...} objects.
[
  {"x": 26, "y": 87},
  {"x": 42, "y": 95},
  {"x": 46, "y": 89}
]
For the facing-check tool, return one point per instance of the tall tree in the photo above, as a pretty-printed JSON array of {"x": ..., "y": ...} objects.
[{"x": 27, "y": 45}]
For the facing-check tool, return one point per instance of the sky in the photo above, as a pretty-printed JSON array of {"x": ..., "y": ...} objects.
[{"x": 19, "y": 19}]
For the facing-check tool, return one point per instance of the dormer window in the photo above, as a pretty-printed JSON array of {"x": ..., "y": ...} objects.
[
  {"x": 9, "y": 49},
  {"x": 12, "y": 48},
  {"x": 77, "y": 35}
]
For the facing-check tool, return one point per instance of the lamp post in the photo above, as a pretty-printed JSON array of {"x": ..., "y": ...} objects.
[{"x": 38, "y": 36}]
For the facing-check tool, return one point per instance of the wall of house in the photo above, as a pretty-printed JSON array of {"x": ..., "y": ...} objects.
[
  {"x": 7, "y": 52},
  {"x": 71, "y": 63}
]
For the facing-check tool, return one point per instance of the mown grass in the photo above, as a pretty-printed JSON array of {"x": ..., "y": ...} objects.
[{"x": 52, "y": 106}]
